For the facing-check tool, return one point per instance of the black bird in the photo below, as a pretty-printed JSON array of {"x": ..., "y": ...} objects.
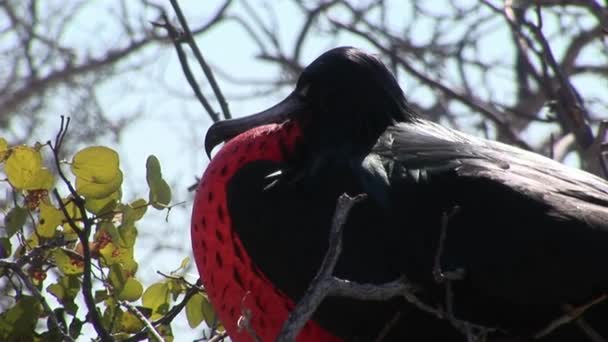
[{"x": 525, "y": 241}]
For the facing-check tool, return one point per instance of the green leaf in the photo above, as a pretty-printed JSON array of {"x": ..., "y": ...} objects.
[
  {"x": 115, "y": 254},
  {"x": 49, "y": 219},
  {"x": 129, "y": 323},
  {"x": 156, "y": 297},
  {"x": 75, "y": 327},
  {"x": 65, "y": 290},
  {"x": 135, "y": 211},
  {"x": 128, "y": 234},
  {"x": 74, "y": 213},
  {"x": 194, "y": 310},
  {"x": 117, "y": 278},
  {"x": 165, "y": 331},
  {"x": 100, "y": 296},
  {"x": 68, "y": 264},
  {"x": 131, "y": 291},
  {"x": 153, "y": 170},
  {"x": 5, "y": 247},
  {"x": 209, "y": 312},
  {"x": 18, "y": 323},
  {"x": 104, "y": 205},
  {"x": 14, "y": 220},
  {"x": 176, "y": 287},
  {"x": 160, "y": 192},
  {"x": 25, "y": 170}
]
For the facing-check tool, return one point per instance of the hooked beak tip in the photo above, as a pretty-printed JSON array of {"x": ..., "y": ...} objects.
[{"x": 225, "y": 130}]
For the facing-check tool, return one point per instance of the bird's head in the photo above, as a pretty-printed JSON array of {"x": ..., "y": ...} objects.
[{"x": 344, "y": 96}]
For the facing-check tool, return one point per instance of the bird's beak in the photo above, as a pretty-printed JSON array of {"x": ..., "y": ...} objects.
[{"x": 227, "y": 129}]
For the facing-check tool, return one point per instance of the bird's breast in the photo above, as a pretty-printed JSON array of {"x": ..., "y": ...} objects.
[{"x": 236, "y": 286}]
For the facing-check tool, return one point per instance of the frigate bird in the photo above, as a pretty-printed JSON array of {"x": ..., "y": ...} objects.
[{"x": 524, "y": 246}]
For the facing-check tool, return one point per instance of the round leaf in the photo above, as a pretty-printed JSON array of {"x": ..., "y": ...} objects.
[
  {"x": 25, "y": 170},
  {"x": 14, "y": 220},
  {"x": 101, "y": 206},
  {"x": 131, "y": 291},
  {"x": 96, "y": 164},
  {"x": 44, "y": 179},
  {"x": 50, "y": 219},
  {"x": 67, "y": 264},
  {"x": 129, "y": 323},
  {"x": 93, "y": 188},
  {"x": 155, "y": 296},
  {"x": 135, "y": 210},
  {"x": 128, "y": 234},
  {"x": 194, "y": 310}
]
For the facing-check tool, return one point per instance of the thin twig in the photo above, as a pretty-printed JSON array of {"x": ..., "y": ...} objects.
[
  {"x": 148, "y": 325},
  {"x": 219, "y": 337},
  {"x": 572, "y": 314},
  {"x": 189, "y": 38},
  {"x": 320, "y": 286},
  {"x": 83, "y": 234},
  {"x": 169, "y": 316},
  {"x": 183, "y": 61}
]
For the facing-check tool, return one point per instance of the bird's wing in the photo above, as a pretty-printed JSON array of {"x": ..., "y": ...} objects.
[
  {"x": 530, "y": 231},
  {"x": 428, "y": 147}
]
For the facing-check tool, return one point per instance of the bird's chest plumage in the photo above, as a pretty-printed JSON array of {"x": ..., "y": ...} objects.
[{"x": 236, "y": 284}]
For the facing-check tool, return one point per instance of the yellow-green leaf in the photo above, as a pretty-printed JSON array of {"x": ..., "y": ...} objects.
[
  {"x": 155, "y": 297},
  {"x": 165, "y": 332},
  {"x": 22, "y": 165},
  {"x": 128, "y": 234},
  {"x": 194, "y": 310},
  {"x": 65, "y": 290},
  {"x": 25, "y": 170},
  {"x": 117, "y": 278},
  {"x": 101, "y": 295},
  {"x": 14, "y": 220},
  {"x": 176, "y": 287},
  {"x": 112, "y": 253},
  {"x": 160, "y": 192},
  {"x": 135, "y": 210},
  {"x": 96, "y": 164},
  {"x": 153, "y": 168},
  {"x": 104, "y": 205},
  {"x": 3, "y": 149},
  {"x": 50, "y": 219},
  {"x": 184, "y": 263},
  {"x": 131, "y": 291},
  {"x": 76, "y": 216},
  {"x": 69, "y": 265},
  {"x": 44, "y": 179},
  {"x": 129, "y": 323},
  {"x": 93, "y": 188},
  {"x": 19, "y": 322}
]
